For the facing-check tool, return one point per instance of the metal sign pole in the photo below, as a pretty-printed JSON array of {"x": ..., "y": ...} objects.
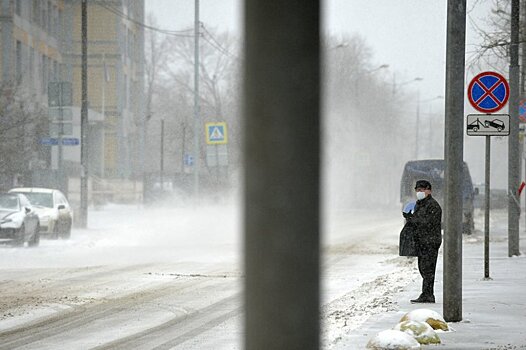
[
  {"x": 197, "y": 122},
  {"x": 487, "y": 207},
  {"x": 83, "y": 217},
  {"x": 60, "y": 132},
  {"x": 513, "y": 141}
]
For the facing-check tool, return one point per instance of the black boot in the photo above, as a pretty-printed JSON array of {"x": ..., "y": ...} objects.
[{"x": 429, "y": 299}]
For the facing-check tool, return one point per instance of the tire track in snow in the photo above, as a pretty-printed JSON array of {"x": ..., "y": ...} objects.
[
  {"x": 184, "y": 327},
  {"x": 80, "y": 316}
]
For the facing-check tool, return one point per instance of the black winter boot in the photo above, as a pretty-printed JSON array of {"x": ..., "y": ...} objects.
[{"x": 430, "y": 299}]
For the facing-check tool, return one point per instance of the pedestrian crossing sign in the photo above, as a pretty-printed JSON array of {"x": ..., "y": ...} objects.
[{"x": 216, "y": 133}]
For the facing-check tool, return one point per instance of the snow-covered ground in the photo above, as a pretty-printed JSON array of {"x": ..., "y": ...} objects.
[
  {"x": 494, "y": 311},
  {"x": 146, "y": 277}
]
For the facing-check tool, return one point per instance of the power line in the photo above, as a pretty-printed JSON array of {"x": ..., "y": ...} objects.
[
  {"x": 215, "y": 43},
  {"x": 119, "y": 13},
  {"x": 209, "y": 38}
]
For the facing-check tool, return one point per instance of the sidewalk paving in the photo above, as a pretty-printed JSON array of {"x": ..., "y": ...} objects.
[{"x": 494, "y": 311}]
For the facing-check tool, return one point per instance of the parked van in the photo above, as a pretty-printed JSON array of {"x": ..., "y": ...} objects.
[{"x": 433, "y": 170}]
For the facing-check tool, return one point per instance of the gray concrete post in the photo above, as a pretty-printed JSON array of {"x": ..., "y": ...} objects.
[
  {"x": 84, "y": 158},
  {"x": 198, "y": 131},
  {"x": 282, "y": 175},
  {"x": 453, "y": 152},
  {"x": 513, "y": 139}
]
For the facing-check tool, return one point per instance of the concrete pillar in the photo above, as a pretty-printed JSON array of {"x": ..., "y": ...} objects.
[{"x": 282, "y": 175}]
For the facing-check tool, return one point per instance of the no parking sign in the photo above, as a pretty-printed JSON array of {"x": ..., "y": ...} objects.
[{"x": 488, "y": 92}]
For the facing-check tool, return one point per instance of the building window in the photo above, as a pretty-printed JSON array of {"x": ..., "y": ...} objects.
[
  {"x": 18, "y": 61},
  {"x": 18, "y": 7},
  {"x": 44, "y": 69},
  {"x": 43, "y": 19},
  {"x": 35, "y": 11},
  {"x": 130, "y": 43},
  {"x": 59, "y": 23},
  {"x": 54, "y": 29},
  {"x": 31, "y": 66},
  {"x": 43, "y": 7},
  {"x": 55, "y": 71}
]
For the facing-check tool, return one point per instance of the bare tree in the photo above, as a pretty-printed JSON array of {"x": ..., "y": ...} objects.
[
  {"x": 21, "y": 128},
  {"x": 171, "y": 93},
  {"x": 367, "y": 128},
  {"x": 494, "y": 33}
]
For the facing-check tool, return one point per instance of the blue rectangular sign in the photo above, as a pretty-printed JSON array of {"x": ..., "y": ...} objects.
[
  {"x": 70, "y": 141},
  {"x": 49, "y": 141}
]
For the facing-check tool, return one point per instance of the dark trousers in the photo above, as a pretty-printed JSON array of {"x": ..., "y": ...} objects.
[{"x": 427, "y": 265}]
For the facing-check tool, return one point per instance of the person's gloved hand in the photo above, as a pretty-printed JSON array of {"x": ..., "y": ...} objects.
[{"x": 407, "y": 215}]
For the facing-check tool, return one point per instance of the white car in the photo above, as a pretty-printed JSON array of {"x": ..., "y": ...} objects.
[
  {"x": 52, "y": 208},
  {"x": 18, "y": 220}
]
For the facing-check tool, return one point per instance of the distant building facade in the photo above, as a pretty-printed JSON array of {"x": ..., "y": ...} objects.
[
  {"x": 41, "y": 43},
  {"x": 115, "y": 79},
  {"x": 31, "y": 56}
]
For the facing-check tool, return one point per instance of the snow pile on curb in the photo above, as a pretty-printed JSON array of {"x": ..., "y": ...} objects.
[
  {"x": 432, "y": 318},
  {"x": 393, "y": 340},
  {"x": 418, "y": 326},
  {"x": 421, "y": 331},
  {"x": 343, "y": 315}
]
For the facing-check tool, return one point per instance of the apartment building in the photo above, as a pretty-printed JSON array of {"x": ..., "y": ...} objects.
[
  {"x": 41, "y": 43},
  {"x": 30, "y": 42},
  {"x": 115, "y": 78}
]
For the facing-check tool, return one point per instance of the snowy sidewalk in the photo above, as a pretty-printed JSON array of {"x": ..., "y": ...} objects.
[{"x": 494, "y": 312}]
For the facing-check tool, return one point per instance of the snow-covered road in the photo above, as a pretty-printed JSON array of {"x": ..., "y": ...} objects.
[{"x": 168, "y": 278}]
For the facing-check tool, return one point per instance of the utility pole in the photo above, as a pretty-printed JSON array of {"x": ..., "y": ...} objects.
[
  {"x": 162, "y": 156},
  {"x": 197, "y": 123},
  {"x": 84, "y": 121},
  {"x": 453, "y": 152},
  {"x": 523, "y": 82},
  {"x": 513, "y": 140},
  {"x": 417, "y": 144},
  {"x": 105, "y": 79},
  {"x": 281, "y": 194}
]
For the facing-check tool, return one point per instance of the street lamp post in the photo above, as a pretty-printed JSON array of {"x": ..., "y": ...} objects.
[
  {"x": 369, "y": 71},
  {"x": 417, "y": 136},
  {"x": 365, "y": 72},
  {"x": 396, "y": 86}
]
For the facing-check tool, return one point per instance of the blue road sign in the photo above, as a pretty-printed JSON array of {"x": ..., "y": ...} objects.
[
  {"x": 70, "y": 141},
  {"x": 188, "y": 160},
  {"x": 216, "y": 133},
  {"x": 522, "y": 111},
  {"x": 488, "y": 92},
  {"x": 49, "y": 141}
]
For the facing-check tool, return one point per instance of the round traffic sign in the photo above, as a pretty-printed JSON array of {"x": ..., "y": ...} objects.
[{"x": 488, "y": 92}]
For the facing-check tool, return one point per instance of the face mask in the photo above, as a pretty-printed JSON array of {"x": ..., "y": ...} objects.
[{"x": 420, "y": 195}]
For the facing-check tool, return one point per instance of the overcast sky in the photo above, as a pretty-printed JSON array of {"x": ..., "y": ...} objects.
[{"x": 408, "y": 35}]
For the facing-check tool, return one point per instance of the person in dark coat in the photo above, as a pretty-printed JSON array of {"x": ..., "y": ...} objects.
[{"x": 426, "y": 220}]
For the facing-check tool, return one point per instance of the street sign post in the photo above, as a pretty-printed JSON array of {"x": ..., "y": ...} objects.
[
  {"x": 216, "y": 149},
  {"x": 60, "y": 94},
  {"x": 488, "y": 92}
]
